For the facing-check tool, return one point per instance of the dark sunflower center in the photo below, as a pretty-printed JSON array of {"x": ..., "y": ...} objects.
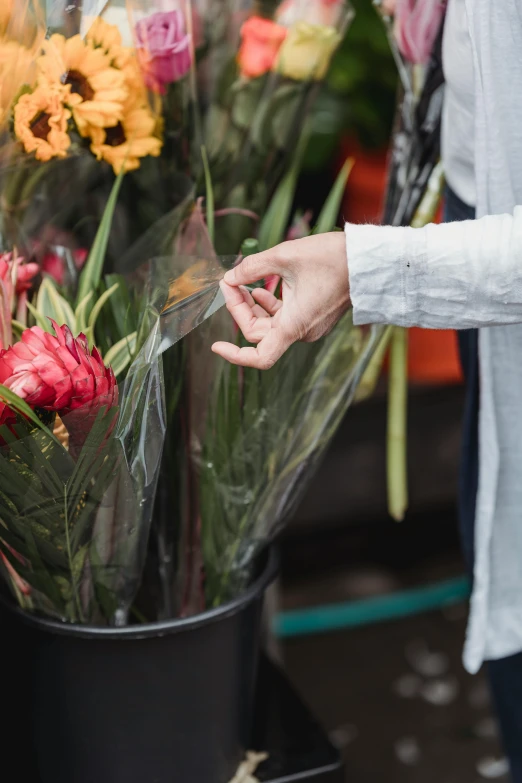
[
  {"x": 79, "y": 85},
  {"x": 40, "y": 125},
  {"x": 115, "y": 136}
]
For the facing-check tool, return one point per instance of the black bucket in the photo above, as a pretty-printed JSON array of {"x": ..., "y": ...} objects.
[{"x": 168, "y": 702}]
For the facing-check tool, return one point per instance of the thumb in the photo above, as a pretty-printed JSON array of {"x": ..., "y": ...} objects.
[{"x": 254, "y": 268}]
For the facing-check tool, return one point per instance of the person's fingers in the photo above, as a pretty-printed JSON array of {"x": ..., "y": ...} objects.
[
  {"x": 263, "y": 357},
  {"x": 256, "y": 267},
  {"x": 253, "y": 328},
  {"x": 270, "y": 303},
  {"x": 256, "y": 308}
]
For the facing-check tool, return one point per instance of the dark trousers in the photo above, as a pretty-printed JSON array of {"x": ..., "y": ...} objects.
[{"x": 505, "y": 675}]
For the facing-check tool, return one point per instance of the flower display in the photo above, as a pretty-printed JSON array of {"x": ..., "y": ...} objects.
[
  {"x": 97, "y": 88},
  {"x": 261, "y": 40},
  {"x": 164, "y": 49},
  {"x": 81, "y": 453},
  {"x": 58, "y": 373},
  {"x": 307, "y": 51},
  {"x": 40, "y": 123}
]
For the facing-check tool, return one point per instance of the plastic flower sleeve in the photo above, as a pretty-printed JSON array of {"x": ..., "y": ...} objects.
[
  {"x": 248, "y": 442},
  {"x": 76, "y": 501}
]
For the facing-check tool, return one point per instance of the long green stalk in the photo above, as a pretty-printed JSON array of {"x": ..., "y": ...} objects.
[{"x": 397, "y": 473}]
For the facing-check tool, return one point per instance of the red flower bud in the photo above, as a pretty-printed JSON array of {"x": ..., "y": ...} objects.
[{"x": 57, "y": 373}]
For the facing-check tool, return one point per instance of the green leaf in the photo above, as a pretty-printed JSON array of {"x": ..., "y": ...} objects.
[
  {"x": 121, "y": 354},
  {"x": 51, "y": 303},
  {"x": 17, "y": 327},
  {"x": 20, "y": 406},
  {"x": 124, "y": 309},
  {"x": 92, "y": 271},
  {"x": 98, "y": 307},
  {"x": 273, "y": 226},
  {"x": 41, "y": 321},
  {"x": 328, "y": 217},
  {"x": 210, "y": 195},
  {"x": 81, "y": 310},
  {"x": 78, "y": 563}
]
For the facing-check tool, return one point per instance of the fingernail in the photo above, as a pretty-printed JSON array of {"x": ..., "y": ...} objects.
[{"x": 230, "y": 277}]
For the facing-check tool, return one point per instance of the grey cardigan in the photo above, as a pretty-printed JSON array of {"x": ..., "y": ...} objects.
[{"x": 470, "y": 275}]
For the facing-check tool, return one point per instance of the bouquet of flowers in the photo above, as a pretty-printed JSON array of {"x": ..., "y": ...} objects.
[
  {"x": 259, "y": 67},
  {"x": 115, "y": 419},
  {"x": 76, "y": 485}
]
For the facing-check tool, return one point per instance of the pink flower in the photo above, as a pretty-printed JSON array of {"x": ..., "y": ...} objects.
[
  {"x": 58, "y": 373},
  {"x": 261, "y": 41},
  {"x": 54, "y": 264},
  {"x": 417, "y": 23},
  {"x": 16, "y": 279},
  {"x": 164, "y": 49},
  {"x": 16, "y": 272},
  {"x": 19, "y": 273}
]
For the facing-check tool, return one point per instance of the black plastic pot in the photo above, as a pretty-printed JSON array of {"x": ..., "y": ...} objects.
[{"x": 168, "y": 702}]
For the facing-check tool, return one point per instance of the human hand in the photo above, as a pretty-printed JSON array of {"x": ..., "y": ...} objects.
[{"x": 314, "y": 274}]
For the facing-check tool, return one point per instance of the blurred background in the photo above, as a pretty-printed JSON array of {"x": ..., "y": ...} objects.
[{"x": 371, "y": 614}]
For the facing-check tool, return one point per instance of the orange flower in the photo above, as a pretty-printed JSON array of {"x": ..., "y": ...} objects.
[
  {"x": 40, "y": 123},
  {"x": 261, "y": 41}
]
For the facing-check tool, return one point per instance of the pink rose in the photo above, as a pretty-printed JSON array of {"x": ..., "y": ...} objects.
[{"x": 164, "y": 49}]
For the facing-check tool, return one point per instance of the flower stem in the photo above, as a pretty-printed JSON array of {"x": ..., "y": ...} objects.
[{"x": 397, "y": 426}]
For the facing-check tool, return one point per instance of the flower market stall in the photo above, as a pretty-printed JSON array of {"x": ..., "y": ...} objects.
[{"x": 142, "y": 481}]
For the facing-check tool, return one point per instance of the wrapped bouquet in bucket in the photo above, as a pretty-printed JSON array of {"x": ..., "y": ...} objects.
[{"x": 142, "y": 480}]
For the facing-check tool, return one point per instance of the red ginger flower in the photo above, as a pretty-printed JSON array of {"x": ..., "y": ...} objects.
[{"x": 57, "y": 373}]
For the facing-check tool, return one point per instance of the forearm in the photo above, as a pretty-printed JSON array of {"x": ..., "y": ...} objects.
[{"x": 455, "y": 275}]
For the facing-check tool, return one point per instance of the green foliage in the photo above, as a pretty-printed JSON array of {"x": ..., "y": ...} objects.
[
  {"x": 359, "y": 96},
  {"x": 48, "y": 505}
]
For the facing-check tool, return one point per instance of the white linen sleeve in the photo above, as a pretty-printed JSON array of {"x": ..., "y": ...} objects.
[{"x": 450, "y": 276}]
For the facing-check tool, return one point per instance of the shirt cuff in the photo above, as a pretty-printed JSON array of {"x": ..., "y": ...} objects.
[{"x": 384, "y": 265}]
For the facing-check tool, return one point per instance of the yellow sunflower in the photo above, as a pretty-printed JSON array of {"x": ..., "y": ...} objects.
[
  {"x": 98, "y": 90},
  {"x": 40, "y": 123},
  {"x": 107, "y": 37},
  {"x": 131, "y": 139}
]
